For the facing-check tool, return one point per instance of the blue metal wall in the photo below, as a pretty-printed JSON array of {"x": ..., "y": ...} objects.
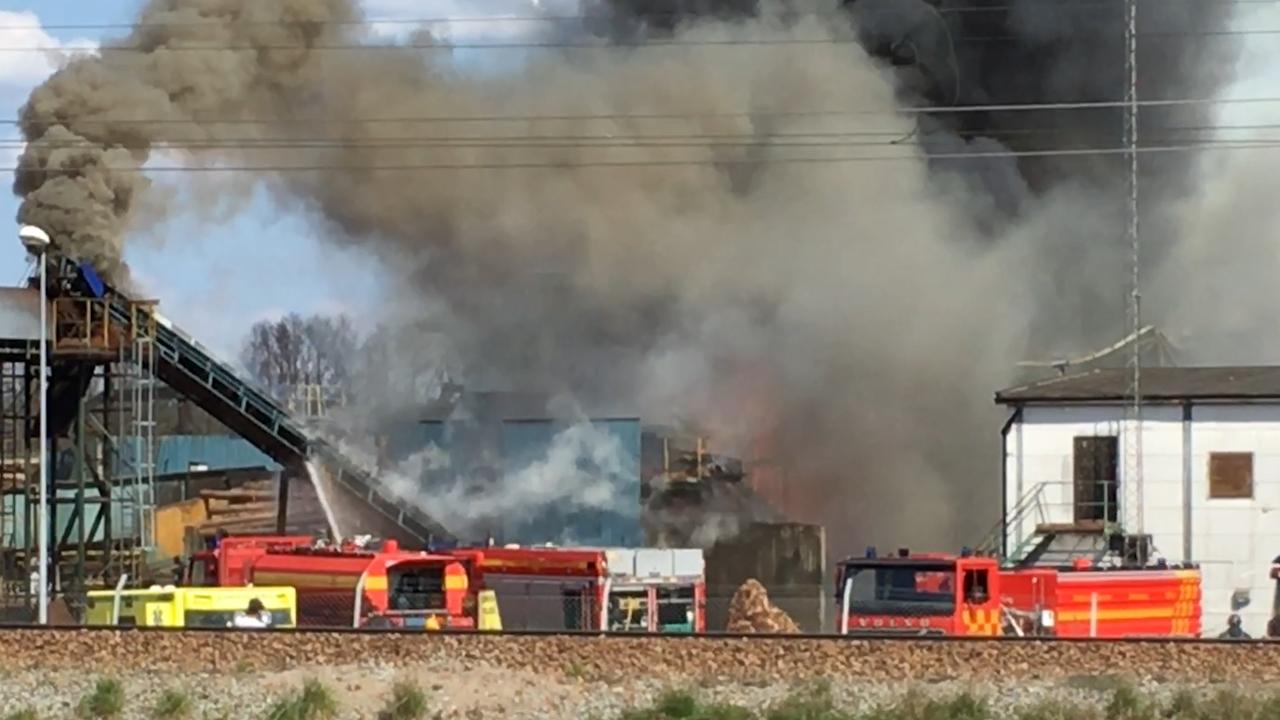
[{"x": 174, "y": 453}]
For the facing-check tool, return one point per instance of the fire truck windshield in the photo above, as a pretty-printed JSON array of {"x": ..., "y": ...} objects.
[
  {"x": 415, "y": 587},
  {"x": 908, "y": 589}
]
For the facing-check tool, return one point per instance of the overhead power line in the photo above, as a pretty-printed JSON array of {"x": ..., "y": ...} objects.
[
  {"x": 546, "y": 18},
  {"x": 650, "y": 43},
  {"x": 612, "y": 142},
  {"x": 831, "y": 113},
  {"x": 693, "y": 162}
]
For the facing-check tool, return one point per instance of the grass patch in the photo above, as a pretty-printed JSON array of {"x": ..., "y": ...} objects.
[
  {"x": 1127, "y": 703},
  {"x": 1122, "y": 701},
  {"x": 408, "y": 702},
  {"x": 314, "y": 702},
  {"x": 808, "y": 702},
  {"x": 172, "y": 705},
  {"x": 1056, "y": 710},
  {"x": 23, "y": 714},
  {"x": 106, "y": 700},
  {"x": 677, "y": 705},
  {"x": 914, "y": 706},
  {"x": 1104, "y": 683}
]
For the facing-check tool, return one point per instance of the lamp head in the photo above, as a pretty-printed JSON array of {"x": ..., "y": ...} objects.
[{"x": 34, "y": 239}]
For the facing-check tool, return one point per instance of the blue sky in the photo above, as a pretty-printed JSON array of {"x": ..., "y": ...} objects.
[{"x": 217, "y": 279}]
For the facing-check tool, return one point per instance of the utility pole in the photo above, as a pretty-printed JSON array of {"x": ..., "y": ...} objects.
[{"x": 1132, "y": 479}]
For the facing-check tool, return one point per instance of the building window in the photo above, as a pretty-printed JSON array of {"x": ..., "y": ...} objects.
[
  {"x": 1230, "y": 475},
  {"x": 1095, "y": 463}
]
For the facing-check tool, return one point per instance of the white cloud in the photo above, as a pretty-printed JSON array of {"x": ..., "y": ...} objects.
[{"x": 22, "y": 70}]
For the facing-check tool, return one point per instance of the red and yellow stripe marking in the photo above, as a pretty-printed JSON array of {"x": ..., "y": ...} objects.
[{"x": 983, "y": 623}]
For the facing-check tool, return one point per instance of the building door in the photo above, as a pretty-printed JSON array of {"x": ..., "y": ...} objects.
[{"x": 1096, "y": 496}]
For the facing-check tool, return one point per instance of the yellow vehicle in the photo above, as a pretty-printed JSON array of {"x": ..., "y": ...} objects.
[{"x": 210, "y": 607}]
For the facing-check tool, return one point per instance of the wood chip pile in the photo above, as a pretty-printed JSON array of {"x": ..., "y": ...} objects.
[{"x": 751, "y": 612}]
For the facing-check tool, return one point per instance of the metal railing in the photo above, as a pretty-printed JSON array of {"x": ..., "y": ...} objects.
[{"x": 1008, "y": 538}]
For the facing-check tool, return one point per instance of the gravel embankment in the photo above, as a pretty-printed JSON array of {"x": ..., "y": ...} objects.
[
  {"x": 238, "y": 675},
  {"x": 488, "y": 694},
  {"x": 658, "y": 658}
]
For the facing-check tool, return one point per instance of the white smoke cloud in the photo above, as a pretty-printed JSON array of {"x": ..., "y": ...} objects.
[{"x": 580, "y": 471}]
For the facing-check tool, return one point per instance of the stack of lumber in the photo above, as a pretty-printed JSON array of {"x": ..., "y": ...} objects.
[{"x": 248, "y": 509}]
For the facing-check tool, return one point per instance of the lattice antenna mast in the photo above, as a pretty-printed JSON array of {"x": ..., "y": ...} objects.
[{"x": 1132, "y": 480}]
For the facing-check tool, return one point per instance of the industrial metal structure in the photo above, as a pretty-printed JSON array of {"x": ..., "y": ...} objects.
[
  {"x": 100, "y": 520},
  {"x": 109, "y": 353}
]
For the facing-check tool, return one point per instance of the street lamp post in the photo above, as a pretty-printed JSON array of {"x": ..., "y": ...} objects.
[{"x": 36, "y": 241}]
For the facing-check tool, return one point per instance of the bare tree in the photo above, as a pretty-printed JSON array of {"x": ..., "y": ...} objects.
[{"x": 287, "y": 354}]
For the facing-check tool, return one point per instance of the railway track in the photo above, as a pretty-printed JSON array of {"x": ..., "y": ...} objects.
[
  {"x": 645, "y": 637},
  {"x": 606, "y": 656}
]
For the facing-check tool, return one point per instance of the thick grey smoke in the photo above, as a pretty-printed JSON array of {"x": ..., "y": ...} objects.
[
  {"x": 730, "y": 262},
  {"x": 950, "y": 53}
]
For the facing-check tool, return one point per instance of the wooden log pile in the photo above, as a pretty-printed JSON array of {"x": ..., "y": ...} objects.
[{"x": 248, "y": 509}]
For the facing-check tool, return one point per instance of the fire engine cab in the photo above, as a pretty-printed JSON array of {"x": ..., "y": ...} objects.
[{"x": 969, "y": 595}]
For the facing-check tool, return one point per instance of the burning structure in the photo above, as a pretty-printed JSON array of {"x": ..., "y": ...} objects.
[{"x": 733, "y": 210}]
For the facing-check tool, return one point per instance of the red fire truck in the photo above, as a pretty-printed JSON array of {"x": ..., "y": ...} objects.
[
  {"x": 975, "y": 596},
  {"x": 348, "y": 584},
  {"x": 619, "y": 590}
]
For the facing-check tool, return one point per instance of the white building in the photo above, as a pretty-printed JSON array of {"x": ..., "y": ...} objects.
[{"x": 1210, "y": 469}]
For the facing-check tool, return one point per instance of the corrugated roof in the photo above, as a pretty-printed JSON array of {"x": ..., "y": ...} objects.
[{"x": 1165, "y": 384}]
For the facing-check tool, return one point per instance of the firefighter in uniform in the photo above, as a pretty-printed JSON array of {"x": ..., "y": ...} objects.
[{"x": 1234, "y": 630}]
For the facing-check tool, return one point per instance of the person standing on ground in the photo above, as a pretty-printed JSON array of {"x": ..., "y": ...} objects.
[{"x": 1234, "y": 630}]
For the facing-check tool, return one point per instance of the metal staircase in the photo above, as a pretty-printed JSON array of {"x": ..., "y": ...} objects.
[
  {"x": 144, "y": 428},
  {"x": 1029, "y": 506},
  {"x": 1046, "y": 544},
  {"x": 135, "y": 499},
  {"x": 1059, "y": 547}
]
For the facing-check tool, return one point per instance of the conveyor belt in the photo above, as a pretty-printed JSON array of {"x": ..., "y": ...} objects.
[{"x": 196, "y": 374}]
